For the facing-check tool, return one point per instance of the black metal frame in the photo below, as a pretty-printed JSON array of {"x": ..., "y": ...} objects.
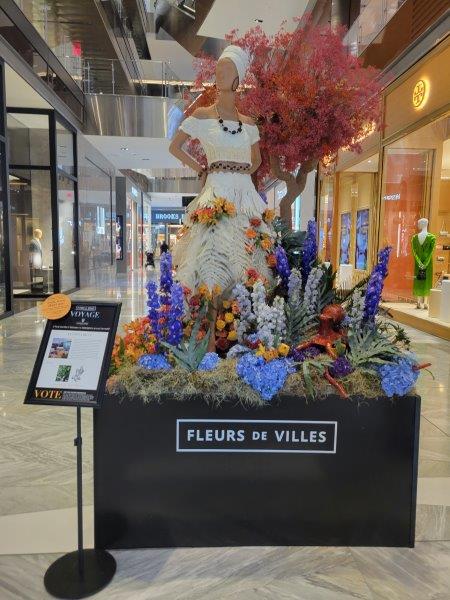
[
  {"x": 5, "y": 193},
  {"x": 52, "y": 168}
]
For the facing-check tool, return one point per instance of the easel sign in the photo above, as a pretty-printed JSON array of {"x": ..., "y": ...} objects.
[{"x": 72, "y": 364}]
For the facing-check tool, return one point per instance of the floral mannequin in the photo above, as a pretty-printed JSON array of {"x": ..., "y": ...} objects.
[{"x": 227, "y": 229}]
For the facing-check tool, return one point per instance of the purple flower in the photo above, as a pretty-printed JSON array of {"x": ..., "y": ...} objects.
[
  {"x": 375, "y": 285},
  {"x": 306, "y": 353},
  {"x": 153, "y": 307},
  {"x": 309, "y": 250},
  {"x": 166, "y": 279},
  {"x": 340, "y": 367},
  {"x": 283, "y": 268},
  {"x": 174, "y": 332}
]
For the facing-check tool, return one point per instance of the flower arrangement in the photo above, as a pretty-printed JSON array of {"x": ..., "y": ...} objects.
[
  {"x": 297, "y": 336},
  {"x": 210, "y": 215}
]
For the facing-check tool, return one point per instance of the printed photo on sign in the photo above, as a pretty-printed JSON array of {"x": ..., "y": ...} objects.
[
  {"x": 86, "y": 350},
  {"x": 60, "y": 348}
]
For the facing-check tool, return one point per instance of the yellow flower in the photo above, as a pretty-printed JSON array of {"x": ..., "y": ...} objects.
[
  {"x": 283, "y": 349},
  {"x": 203, "y": 290},
  {"x": 220, "y": 324},
  {"x": 266, "y": 244},
  {"x": 229, "y": 208},
  {"x": 226, "y": 304},
  {"x": 229, "y": 317},
  {"x": 268, "y": 215},
  {"x": 261, "y": 350},
  {"x": 217, "y": 290},
  {"x": 232, "y": 335},
  {"x": 270, "y": 354}
]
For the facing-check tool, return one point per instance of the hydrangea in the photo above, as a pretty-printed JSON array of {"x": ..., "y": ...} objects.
[
  {"x": 309, "y": 249},
  {"x": 375, "y": 285},
  {"x": 306, "y": 353},
  {"x": 311, "y": 298},
  {"x": 397, "y": 378},
  {"x": 174, "y": 320},
  {"x": 283, "y": 268},
  {"x": 157, "y": 362},
  {"x": 209, "y": 362},
  {"x": 340, "y": 367},
  {"x": 265, "y": 378}
]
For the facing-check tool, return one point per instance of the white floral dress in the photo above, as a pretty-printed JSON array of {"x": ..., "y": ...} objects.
[{"x": 221, "y": 254}]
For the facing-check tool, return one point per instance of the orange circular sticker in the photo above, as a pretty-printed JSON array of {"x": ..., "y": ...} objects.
[{"x": 56, "y": 306}]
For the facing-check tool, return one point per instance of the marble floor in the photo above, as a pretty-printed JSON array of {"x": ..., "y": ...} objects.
[{"x": 37, "y": 500}]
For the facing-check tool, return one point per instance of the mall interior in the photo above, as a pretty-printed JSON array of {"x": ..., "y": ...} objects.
[{"x": 91, "y": 95}]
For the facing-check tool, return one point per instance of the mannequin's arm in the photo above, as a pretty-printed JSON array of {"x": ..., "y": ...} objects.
[
  {"x": 430, "y": 256},
  {"x": 416, "y": 258},
  {"x": 176, "y": 150},
  {"x": 256, "y": 158}
]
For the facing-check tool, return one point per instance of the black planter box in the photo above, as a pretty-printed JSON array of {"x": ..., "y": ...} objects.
[{"x": 172, "y": 474}]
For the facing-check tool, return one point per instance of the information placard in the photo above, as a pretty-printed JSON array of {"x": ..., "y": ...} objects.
[{"x": 73, "y": 360}]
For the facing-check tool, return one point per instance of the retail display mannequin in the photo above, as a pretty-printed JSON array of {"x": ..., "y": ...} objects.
[
  {"x": 35, "y": 250},
  {"x": 219, "y": 254},
  {"x": 423, "y": 244}
]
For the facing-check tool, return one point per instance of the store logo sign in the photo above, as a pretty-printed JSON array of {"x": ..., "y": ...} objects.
[
  {"x": 391, "y": 197},
  {"x": 242, "y": 435},
  {"x": 419, "y": 96}
]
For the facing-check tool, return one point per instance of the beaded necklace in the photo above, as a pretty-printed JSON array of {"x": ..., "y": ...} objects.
[{"x": 224, "y": 127}]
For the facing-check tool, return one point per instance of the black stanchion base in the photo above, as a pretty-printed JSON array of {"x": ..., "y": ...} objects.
[{"x": 63, "y": 579}]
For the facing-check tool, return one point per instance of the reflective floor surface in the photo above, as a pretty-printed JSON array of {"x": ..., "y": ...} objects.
[{"x": 37, "y": 500}]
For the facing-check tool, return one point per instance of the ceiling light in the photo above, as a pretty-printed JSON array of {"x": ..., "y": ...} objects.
[
  {"x": 259, "y": 20},
  {"x": 124, "y": 148}
]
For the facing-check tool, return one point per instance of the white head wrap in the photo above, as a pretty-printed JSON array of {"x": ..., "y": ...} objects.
[{"x": 240, "y": 58}]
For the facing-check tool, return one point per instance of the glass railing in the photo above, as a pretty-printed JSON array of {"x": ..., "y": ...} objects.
[{"x": 372, "y": 19}]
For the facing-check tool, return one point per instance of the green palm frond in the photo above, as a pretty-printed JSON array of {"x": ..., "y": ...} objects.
[
  {"x": 298, "y": 322},
  {"x": 369, "y": 346}
]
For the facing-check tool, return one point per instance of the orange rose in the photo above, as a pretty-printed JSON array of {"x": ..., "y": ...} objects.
[
  {"x": 250, "y": 233},
  {"x": 271, "y": 261},
  {"x": 266, "y": 244},
  {"x": 255, "y": 222}
]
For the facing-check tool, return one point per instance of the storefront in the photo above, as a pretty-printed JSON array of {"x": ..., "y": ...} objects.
[
  {"x": 377, "y": 198},
  {"x": 5, "y": 281},
  {"x": 166, "y": 223}
]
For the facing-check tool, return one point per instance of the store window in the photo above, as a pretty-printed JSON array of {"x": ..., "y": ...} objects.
[
  {"x": 5, "y": 292},
  {"x": 326, "y": 205},
  {"x": 44, "y": 222},
  {"x": 31, "y": 231},
  {"x": 416, "y": 184},
  {"x": 357, "y": 189}
]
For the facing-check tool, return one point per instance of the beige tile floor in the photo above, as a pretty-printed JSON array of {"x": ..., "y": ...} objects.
[{"x": 37, "y": 500}]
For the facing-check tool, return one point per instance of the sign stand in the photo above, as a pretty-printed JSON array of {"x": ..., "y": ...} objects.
[
  {"x": 81, "y": 573},
  {"x": 71, "y": 369}
]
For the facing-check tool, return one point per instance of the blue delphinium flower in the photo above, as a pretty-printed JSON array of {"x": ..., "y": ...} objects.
[
  {"x": 283, "y": 268},
  {"x": 375, "y": 285},
  {"x": 397, "y": 378},
  {"x": 157, "y": 362},
  {"x": 175, "y": 315},
  {"x": 153, "y": 307},
  {"x": 166, "y": 279},
  {"x": 265, "y": 378},
  {"x": 209, "y": 362},
  {"x": 309, "y": 250}
]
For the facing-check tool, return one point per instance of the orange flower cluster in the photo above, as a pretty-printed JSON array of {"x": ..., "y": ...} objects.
[
  {"x": 226, "y": 332},
  {"x": 272, "y": 353},
  {"x": 257, "y": 238},
  {"x": 209, "y": 215},
  {"x": 253, "y": 276},
  {"x": 137, "y": 341}
]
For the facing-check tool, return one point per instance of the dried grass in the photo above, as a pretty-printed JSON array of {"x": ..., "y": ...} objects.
[{"x": 222, "y": 385}]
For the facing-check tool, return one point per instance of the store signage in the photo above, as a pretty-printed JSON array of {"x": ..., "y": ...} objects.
[
  {"x": 167, "y": 215},
  {"x": 235, "y": 435},
  {"x": 419, "y": 93},
  {"x": 72, "y": 364},
  {"x": 391, "y": 197}
]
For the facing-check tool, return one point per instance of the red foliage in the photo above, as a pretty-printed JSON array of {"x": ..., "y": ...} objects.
[{"x": 307, "y": 95}]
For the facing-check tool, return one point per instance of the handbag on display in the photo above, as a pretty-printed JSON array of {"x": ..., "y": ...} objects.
[{"x": 421, "y": 274}]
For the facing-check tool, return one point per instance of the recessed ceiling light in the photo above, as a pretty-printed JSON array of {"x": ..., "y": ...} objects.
[
  {"x": 259, "y": 20},
  {"x": 124, "y": 148},
  {"x": 145, "y": 159}
]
